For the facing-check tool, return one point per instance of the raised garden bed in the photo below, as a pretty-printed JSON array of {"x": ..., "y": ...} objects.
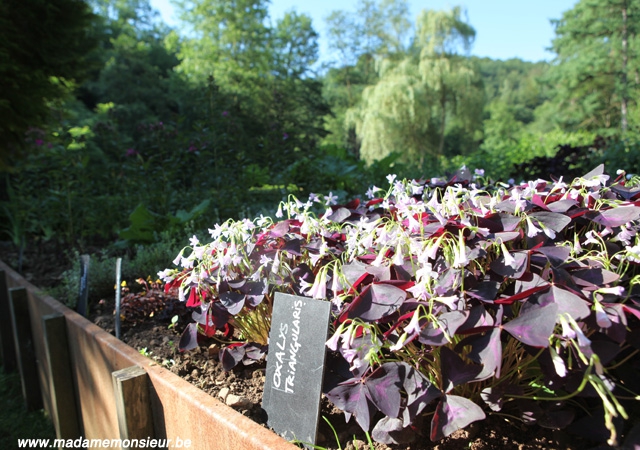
[{"x": 87, "y": 405}]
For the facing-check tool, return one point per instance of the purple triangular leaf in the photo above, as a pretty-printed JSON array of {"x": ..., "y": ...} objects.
[
  {"x": 420, "y": 392},
  {"x": 615, "y": 217},
  {"x": 514, "y": 270},
  {"x": 454, "y": 370},
  {"x": 384, "y": 387},
  {"x": 339, "y": 215},
  {"x": 568, "y": 302},
  {"x": 232, "y": 301},
  {"x": 495, "y": 396},
  {"x": 390, "y": 430},
  {"x": 453, "y": 413},
  {"x": 434, "y": 335},
  {"x": 231, "y": 356},
  {"x": 189, "y": 338},
  {"x": 534, "y": 326},
  {"x": 375, "y": 302},
  {"x": 486, "y": 349},
  {"x": 557, "y": 222},
  {"x": 594, "y": 276}
]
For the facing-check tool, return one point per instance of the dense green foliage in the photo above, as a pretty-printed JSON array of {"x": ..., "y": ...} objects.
[
  {"x": 43, "y": 49},
  {"x": 128, "y": 129}
]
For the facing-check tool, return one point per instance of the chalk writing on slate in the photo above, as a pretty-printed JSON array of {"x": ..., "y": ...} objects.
[{"x": 295, "y": 366}]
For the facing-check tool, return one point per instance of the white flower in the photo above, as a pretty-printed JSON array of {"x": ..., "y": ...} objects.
[
  {"x": 331, "y": 199},
  {"x": 391, "y": 177},
  {"x": 509, "y": 260},
  {"x": 460, "y": 259},
  {"x": 194, "y": 241},
  {"x": 166, "y": 275},
  {"x": 178, "y": 258}
]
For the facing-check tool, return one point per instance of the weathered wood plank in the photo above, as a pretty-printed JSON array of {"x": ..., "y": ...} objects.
[
  {"x": 133, "y": 403},
  {"x": 6, "y": 328},
  {"x": 25, "y": 348},
  {"x": 64, "y": 410}
]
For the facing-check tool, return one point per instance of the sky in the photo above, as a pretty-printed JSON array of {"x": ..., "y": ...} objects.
[{"x": 504, "y": 28}]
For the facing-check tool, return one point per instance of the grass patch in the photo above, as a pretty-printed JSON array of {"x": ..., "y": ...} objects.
[{"x": 15, "y": 422}]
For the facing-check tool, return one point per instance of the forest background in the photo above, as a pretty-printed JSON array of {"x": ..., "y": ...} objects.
[{"x": 118, "y": 131}]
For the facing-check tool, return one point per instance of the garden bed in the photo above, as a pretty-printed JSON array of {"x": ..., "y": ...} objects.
[
  {"x": 201, "y": 369},
  {"x": 179, "y": 410},
  {"x": 459, "y": 314}
]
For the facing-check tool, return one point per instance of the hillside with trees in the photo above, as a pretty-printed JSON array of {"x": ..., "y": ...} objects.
[{"x": 126, "y": 128}]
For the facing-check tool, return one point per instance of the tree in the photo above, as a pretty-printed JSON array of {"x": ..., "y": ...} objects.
[
  {"x": 596, "y": 67},
  {"x": 43, "y": 51},
  {"x": 433, "y": 94},
  {"x": 358, "y": 38}
]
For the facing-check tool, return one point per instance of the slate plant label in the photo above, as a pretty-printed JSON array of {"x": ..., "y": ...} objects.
[
  {"x": 83, "y": 294},
  {"x": 295, "y": 366}
]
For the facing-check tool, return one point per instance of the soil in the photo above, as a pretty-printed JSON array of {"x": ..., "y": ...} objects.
[{"x": 154, "y": 335}]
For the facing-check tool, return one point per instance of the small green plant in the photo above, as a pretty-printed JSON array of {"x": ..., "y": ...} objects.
[{"x": 144, "y": 351}]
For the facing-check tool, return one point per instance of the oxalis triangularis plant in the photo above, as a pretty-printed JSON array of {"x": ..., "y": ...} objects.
[{"x": 450, "y": 299}]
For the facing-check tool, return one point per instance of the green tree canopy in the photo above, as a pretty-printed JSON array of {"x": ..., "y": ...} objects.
[
  {"x": 596, "y": 68},
  {"x": 43, "y": 48}
]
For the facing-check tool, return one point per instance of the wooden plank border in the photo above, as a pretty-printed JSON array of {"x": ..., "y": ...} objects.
[
  {"x": 64, "y": 411},
  {"x": 25, "y": 348},
  {"x": 133, "y": 404},
  {"x": 6, "y": 328}
]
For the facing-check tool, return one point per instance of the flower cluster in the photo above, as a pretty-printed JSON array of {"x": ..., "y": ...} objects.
[{"x": 450, "y": 299}]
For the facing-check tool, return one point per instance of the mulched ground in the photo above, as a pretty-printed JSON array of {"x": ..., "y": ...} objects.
[{"x": 242, "y": 387}]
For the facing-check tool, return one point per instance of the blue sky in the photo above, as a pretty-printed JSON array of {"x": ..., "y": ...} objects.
[{"x": 504, "y": 28}]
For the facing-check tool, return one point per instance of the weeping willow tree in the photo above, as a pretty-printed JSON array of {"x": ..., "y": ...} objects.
[{"x": 431, "y": 96}]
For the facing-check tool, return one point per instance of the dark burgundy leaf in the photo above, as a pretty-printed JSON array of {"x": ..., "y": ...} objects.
[
  {"x": 477, "y": 316},
  {"x": 534, "y": 326},
  {"x": 499, "y": 222},
  {"x": 232, "y": 301},
  {"x": 557, "y": 256},
  {"x": 390, "y": 430},
  {"x": 453, "y": 413},
  {"x": 616, "y": 216},
  {"x": 376, "y": 301},
  {"x": 255, "y": 287},
  {"x": 594, "y": 276},
  {"x": 293, "y": 246},
  {"x": 279, "y": 229},
  {"x": 626, "y": 193},
  {"x": 454, "y": 370},
  {"x": 339, "y": 215},
  {"x": 521, "y": 295},
  {"x": 384, "y": 387},
  {"x": 495, "y": 396},
  {"x": 562, "y": 206},
  {"x": 253, "y": 352},
  {"x": 557, "y": 222},
  {"x": 568, "y": 302},
  {"x": 189, "y": 338},
  {"x": 353, "y": 272},
  {"x": 485, "y": 291},
  {"x": 232, "y": 355},
  {"x": 434, "y": 335},
  {"x": 420, "y": 392},
  {"x": 254, "y": 300},
  {"x": 381, "y": 273},
  {"x": 486, "y": 349},
  {"x": 351, "y": 397},
  {"x": 512, "y": 271}
]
